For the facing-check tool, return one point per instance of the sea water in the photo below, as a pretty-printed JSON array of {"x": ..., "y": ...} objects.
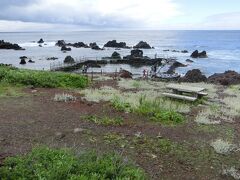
[{"x": 223, "y": 48}]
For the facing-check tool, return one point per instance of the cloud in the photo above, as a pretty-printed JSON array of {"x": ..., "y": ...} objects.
[{"x": 143, "y": 14}]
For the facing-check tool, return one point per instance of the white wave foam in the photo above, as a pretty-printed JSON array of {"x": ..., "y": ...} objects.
[{"x": 34, "y": 44}]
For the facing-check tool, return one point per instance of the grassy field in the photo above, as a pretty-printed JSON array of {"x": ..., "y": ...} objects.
[
  {"x": 42, "y": 78},
  {"x": 134, "y": 131}
]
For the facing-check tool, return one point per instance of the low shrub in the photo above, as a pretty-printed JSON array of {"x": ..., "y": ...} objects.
[
  {"x": 64, "y": 97},
  {"x": 106, "y": 121},
  {"x": 157, "y": 112},
  {"x": 44, "y": 79},
  {"x": 45, "y": 163},
  {"x": 7, "y": 90}
]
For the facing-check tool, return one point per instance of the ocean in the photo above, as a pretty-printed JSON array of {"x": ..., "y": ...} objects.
[{"x": 223, "y": 48}]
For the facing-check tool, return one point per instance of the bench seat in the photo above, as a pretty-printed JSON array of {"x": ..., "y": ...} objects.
[{"x": 187, "y": 98}]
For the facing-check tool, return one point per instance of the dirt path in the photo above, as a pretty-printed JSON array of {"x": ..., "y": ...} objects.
[{"x": 35, "y": 119}]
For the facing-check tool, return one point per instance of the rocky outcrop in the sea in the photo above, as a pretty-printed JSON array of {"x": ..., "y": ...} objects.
[
  {"x": 78, "y": 45},
  {"x": 41, "y": 41},
  {"x": 115, "y": 44},
  {"x": 7, "y": 45},
  {"x": 52, "y": 58},
  {"x": 142, "y": 45},
  {"x": 94, "y": 46},
  {"x": 197, "y": 54},
  {"x": 65, "y": 48},
  {"x": 23, "y": 60},
  {"x": 125, "y": 74},
  {"x": 116, "y": 55},
  {"x": 61, "y": 43},
  {"x": 189, "y": 61},
  {"x": 69, "y": 60},
  {"x": 184, "y": 51},
  {"x": 194, "y": 76},
  {"x": 174, "y": 66},
  {"x": 226, "y": 78},
  {"x": 31, "y": 61}
]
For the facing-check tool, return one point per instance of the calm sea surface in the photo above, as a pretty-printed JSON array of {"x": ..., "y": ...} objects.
[{"x": 223, "y": 47}]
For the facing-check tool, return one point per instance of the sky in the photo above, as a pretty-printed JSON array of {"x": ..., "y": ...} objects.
[{"x": 64, "y": 15}]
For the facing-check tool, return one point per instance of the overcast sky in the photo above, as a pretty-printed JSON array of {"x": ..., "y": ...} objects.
[{"x": 41, "y": 15}]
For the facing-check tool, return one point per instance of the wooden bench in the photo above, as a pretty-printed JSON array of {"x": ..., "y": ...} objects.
[{"x": 177, "y": 96}]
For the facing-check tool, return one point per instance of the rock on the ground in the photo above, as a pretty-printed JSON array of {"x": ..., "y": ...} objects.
[
  {"x": 142, "y": 45},
  {"x": 194, "y": 76},
  {"x": 61, "y": 43},
  {"x": 7, "y": 45},
  {"x": 41, "y": 41},
  {"x": 197, "y": 54},
  {"x": 226, "y": 78},
  {"x": 115, "y": 44},
  {"x": 116, "y": 55},
  {"x": 125, "y": 74},
  {"x": 69, "y": 59},
  {"x": 64, "y": 48}
]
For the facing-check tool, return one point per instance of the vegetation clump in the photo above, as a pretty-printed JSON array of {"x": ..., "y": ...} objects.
[
  {"x": 46, "y": 163},
  {"x": 64, "y": 97},
  {"x": 43, "y": 79},
  {"x": 106, "y": 121}
]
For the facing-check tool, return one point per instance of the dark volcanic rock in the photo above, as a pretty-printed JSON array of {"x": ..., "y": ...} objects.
[
  {"x": 52, "y": 58},
  {"x": 7, "y": 45},
  {"x": 61, "y": 43},
  {"x": 193, "y": 76},
  {"x": 115, "y": 44},
  {"x": 69, "y": 59},
  {"x": 23, "y": 61},
  {"x": 142, "y": 45},
  {"x": 136, "y": 53},
  {"x": 41, "y": 41},
  {"x": 64, "y": 48},
  {"x": 197, "y": 54},
  {"x": 125, "y": 74},
  {"x": 78, "y": 45},
  {"x": 174, "y": 66},
  {"x": 116, "y": 55},
  {"x": 31, "y": 61},
  {"x": 189, "y": 60},
  {"x": 94, "y": 46},
  {"x": 184, "y": 51},
  {"x": 227, "y": 78}
]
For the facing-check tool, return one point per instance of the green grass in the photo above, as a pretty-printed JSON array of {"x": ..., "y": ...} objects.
[
  {"x": 42, "y": 78},
  {"x": 50, "y": 164},
  {"x": 7, "y": 90},
  {"x": 157, "y": 113},
  {"x": 106, "y": 121}
]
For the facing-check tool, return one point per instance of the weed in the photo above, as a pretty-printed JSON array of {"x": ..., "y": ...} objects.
[
  {"x": 64, "y": 98},
  {"x": 42, "y": 78},
  {"x": 106, "y": 121},
  {"x": 233, "y": 172},
  {"x": 223, "y": 147},
  {"x": 45, "y": 163},
  {"x": 7, "y": 89},
  {"x": 157, "y": 112}
]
